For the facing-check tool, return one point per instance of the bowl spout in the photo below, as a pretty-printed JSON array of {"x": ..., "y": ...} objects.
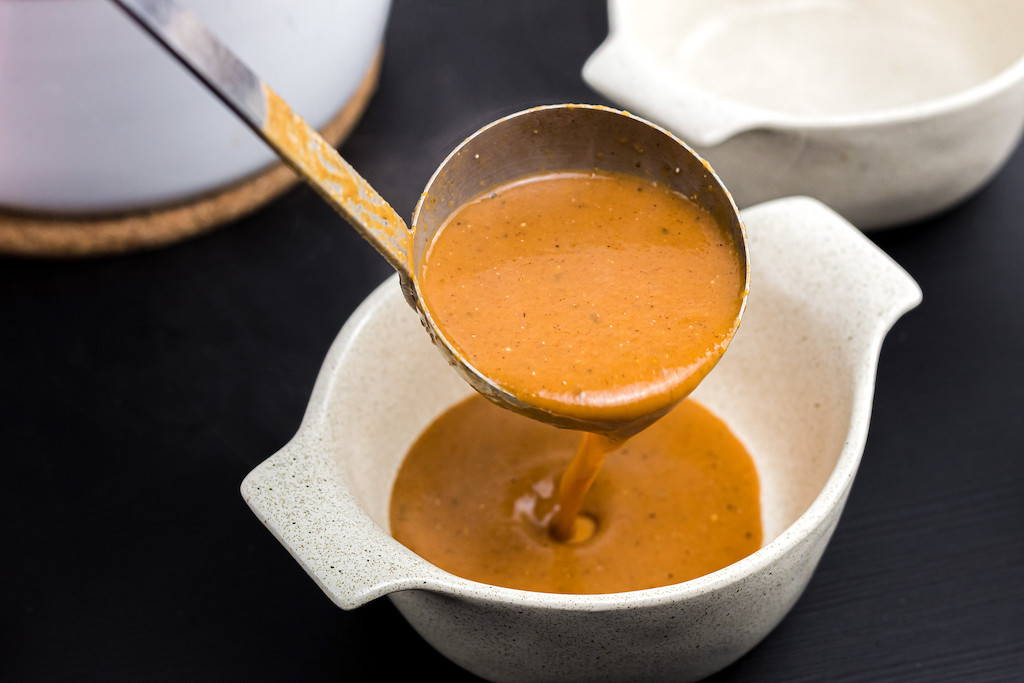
[{"x": 700, "y": 119}]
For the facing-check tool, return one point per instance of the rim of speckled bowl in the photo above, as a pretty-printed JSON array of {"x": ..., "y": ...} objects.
[
  {"x": 440, "y": 580},
  {"x": 764, "y": 117}
]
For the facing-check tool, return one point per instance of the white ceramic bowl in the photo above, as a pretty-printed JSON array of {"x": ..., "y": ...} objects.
[
  {"x": 97, "y": 118},
  {"x": 886, "y": 111},
  {"x": 796, "y": 386}
]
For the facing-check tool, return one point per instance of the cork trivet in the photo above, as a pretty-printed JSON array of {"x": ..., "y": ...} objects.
[{"x": 42, "y": 236}]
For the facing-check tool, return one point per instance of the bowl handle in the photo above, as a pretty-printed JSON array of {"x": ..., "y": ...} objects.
[
  {"x": 625, "y": 72},
  {"x": 311, "y": 512},
  {"x": 860, "y": 279}
]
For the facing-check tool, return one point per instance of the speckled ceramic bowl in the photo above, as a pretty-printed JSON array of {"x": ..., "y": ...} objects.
[
  {"x": 796, "y": 386},
  {"x": 886, "y": 111}
]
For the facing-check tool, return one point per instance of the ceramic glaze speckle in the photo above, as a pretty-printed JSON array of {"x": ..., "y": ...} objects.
[
  {"x": 795, "y": 386},
  {"x": 886, "y": 112}
]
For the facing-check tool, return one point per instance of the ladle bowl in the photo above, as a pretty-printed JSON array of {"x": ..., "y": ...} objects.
[{"x": 567, "y": 137}]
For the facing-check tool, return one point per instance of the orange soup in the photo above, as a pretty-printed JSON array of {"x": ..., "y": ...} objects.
[
  {"x": 477, "y": 492},
  {"x": 597, "y": 295},
  {"x": 603, "y": 297}
]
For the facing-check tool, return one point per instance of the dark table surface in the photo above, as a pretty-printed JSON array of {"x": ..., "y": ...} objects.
[{"x": 137, "y": 391}]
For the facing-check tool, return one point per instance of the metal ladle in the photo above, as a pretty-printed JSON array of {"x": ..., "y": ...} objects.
[{"x": 538, "y": 140}]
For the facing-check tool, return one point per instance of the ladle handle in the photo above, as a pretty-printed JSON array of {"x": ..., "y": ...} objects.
[{"x": 298, "y": 144}]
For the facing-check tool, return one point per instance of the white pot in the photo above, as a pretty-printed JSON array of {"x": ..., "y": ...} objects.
[
  {"x": 97, "y": 118},
  {"x": 796, "y": 386},
  {"x": 887, "y": 112}
]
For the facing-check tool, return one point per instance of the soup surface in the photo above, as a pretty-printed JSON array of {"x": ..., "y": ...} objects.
[
  {"x": 600, "y": 296},
  {"x": 477, "y": 492}
]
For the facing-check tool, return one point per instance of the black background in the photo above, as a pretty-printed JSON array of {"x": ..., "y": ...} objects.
[{"x": 137, "y": 392}]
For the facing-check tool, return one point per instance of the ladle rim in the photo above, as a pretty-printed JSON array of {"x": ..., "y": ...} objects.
[{"x": 479, "y": 380}]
